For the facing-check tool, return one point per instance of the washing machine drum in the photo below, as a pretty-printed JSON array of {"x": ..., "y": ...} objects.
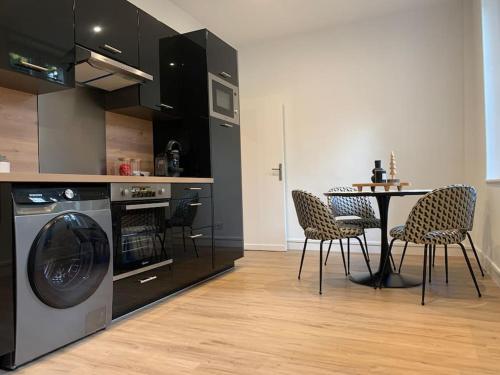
[{"x": 68, "y": 260}]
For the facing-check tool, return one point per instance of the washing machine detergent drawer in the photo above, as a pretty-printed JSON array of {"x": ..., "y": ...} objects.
[{"x": 64, "y": 279}]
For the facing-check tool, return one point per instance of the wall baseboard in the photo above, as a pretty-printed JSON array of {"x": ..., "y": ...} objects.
[
  {"x": 373, "y": 247},
  {"x": 265, "y": 247},
  {"x": 489, "y": 266}
]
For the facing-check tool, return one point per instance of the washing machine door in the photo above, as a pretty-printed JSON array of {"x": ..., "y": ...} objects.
[{"x": 68, "y": 260}]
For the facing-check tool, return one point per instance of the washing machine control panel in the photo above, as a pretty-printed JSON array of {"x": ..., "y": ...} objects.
[{"x": 47, "y": 195}]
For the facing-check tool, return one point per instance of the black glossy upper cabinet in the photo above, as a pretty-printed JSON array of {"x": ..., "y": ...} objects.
[
  {"x": 109, "y": 27},
  {"x": 36, "y": 45},
  {"x": 151, "y": 33},
  {"x": 222, "y": 59}
]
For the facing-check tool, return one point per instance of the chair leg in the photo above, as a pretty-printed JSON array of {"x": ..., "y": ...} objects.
[
  {"x": 366, "y": 246},
  {"x": 431, "y": 248},
  {"x": 402, "y": 257},
  {"x": 328, "y": 253},
  {"x": 320, "y": 267},
  {"x": 433, "y": 256},
  {"x": 367, "y": 261},
  {"x": 392, "y": 262},
  {"x": 385, "y": 262},
  {"x": 343, "y": 257},
  {"x": 302, "y": 258},
  {"x": 475, "y": 253},
  {"x": 424, "y": 276},
  {"x": 470, "y": 269},
  {"x": 348, "y": 256},
  {"x": 446, "y": 261}
]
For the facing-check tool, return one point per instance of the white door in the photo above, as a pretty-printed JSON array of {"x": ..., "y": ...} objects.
[{"x": 262, "y": 144}]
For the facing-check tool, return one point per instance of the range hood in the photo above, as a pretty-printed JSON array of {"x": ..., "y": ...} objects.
[{"x": 96, "y": 70}]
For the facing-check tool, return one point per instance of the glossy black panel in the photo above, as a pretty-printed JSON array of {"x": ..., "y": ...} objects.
[
  {"x": 139, "y": 290},
  {"x": 227, "y": 193},
  {"x": 109, "y": 27},
  {"x": 6, "y": 271},
  {"x": 193, "y": 135},
  {"x": 36, "y": 41},
  {"x": 222, "y": 59},
  {"x": 151, "y": 32},
  {"x": 192, "y": 255},
  {"x": 203, "y": 190}
]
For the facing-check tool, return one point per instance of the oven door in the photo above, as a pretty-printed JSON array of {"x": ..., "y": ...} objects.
[
  {"x": 141, "y": 241},
  {"x": 224, "y": 100}
]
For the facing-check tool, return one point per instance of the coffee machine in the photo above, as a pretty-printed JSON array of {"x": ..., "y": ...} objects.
[{"x": 168, "y": 163}]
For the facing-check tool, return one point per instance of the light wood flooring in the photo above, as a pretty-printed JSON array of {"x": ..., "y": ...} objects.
[{"x": 259, "y": 319}]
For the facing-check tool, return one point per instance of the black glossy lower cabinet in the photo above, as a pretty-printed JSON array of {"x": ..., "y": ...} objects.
[
  {"x": 136, "y": 291},
  {"x": 192, "y": 255}
]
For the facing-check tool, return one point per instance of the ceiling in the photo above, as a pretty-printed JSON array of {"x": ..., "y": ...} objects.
[{"x": 247, "y": 21}]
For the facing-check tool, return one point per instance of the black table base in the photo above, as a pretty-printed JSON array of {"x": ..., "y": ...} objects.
[{"x": 391, "y": 280}]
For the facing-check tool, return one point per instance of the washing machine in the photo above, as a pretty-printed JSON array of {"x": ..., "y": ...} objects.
[{"x": 63, "y": 272}]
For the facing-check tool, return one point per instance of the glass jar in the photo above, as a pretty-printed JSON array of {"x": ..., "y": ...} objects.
[
  {"x": 136, "y": 166},
  {"x": 123, "y": 167}
]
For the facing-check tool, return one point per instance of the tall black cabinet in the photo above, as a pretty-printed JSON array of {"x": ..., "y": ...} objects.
[{"x": 210, "y": 146}]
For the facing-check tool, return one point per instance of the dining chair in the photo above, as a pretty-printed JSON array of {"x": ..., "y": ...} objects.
[
  {"x": 438, "y": 218},
  {"x": 362, "y": 214},
  {"x": 468, "y": 224},
  {"x": 321, "y": 225}
]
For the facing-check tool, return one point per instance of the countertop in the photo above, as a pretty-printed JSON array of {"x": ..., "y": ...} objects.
[{"x": 83, "y": 178}]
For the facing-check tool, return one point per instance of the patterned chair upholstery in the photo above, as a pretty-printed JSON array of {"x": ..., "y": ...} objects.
[
  {"x": 440, "y": 217},
  {"x": 321, "y": 225},
  {"x": 353, "y": 206}
]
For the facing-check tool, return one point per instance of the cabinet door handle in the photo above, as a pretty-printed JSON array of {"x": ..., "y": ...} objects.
[
  {"x": 196, "y": 236},
  {"x": 225, "y": 74},
  {"x": 194, "y": 188},
  {"x": 195, "y": 204},
  {"x": 111, "y": 49},
  {"x": 161, "y": 105},
  {"x": 148, "y": 279},
  {"x": 33, "y": 66},
  {"x": 224, "y": 125}
]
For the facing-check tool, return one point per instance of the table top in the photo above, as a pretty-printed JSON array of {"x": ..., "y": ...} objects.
[{"x": 369, "y": 193}]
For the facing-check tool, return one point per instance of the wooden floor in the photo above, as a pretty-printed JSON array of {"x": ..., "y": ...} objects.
[{"x": 259, "y": 319}]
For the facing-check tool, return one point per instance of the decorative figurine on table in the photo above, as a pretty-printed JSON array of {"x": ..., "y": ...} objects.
[
  {"x": 393, "y": 170},
  {"x": 378, "y": 172}
]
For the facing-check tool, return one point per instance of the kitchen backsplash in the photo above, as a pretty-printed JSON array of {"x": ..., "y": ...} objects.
[
  {"x": 19, "y": 130},
  {"x": 125, "y": 136}
]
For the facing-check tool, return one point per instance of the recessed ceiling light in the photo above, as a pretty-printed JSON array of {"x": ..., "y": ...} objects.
[{"x": 97, "y": 29}]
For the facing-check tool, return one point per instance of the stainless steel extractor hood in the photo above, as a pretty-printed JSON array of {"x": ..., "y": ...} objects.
[{"x": 96, "y": 70}]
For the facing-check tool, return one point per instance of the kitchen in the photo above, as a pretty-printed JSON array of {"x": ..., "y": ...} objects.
[{"x": 115, "y": 129}]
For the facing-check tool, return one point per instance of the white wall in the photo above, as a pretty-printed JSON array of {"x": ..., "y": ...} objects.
[
  {"x": 354, "y": 93},
  {"x": 487, "y": 218},
  {"x": 170, "y": 14}
]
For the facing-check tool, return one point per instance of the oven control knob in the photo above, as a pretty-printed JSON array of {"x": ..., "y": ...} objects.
[
  {"x": 124, "y": 192},
  {"x": 69, "y": 194},
  {"x": 161, "y": 191}
]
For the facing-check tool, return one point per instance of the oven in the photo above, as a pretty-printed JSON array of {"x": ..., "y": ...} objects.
[
  {"x": 224, "y": 99},
  {"x": 140, "y": 237}
]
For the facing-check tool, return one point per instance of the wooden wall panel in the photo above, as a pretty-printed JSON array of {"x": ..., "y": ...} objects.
[
  {"x": 128, "y": 137},
  {"x": 19, "y": 130}
]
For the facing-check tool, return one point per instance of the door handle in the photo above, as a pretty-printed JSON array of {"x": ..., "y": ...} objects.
[
  {"x": 280, "y": 171},
  {"x": 148, "y": 279}
]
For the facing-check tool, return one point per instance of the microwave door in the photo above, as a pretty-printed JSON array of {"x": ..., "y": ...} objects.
[{"x": 223, "y": 100}]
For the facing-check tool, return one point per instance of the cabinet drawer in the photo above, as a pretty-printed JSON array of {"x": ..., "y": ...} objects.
[
  {"x": 190, "y": 213},
  {"x": 138, "y": 290},
  {"x": 180, "y": 191},
  {"x": 192, "y": 256}
]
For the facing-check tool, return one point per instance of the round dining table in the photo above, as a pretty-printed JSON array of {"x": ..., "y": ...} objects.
[{"x": 390, "y": 279}]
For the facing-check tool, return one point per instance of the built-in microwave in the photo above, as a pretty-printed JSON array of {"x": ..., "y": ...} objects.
[{"x": 224, "y": 99}]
